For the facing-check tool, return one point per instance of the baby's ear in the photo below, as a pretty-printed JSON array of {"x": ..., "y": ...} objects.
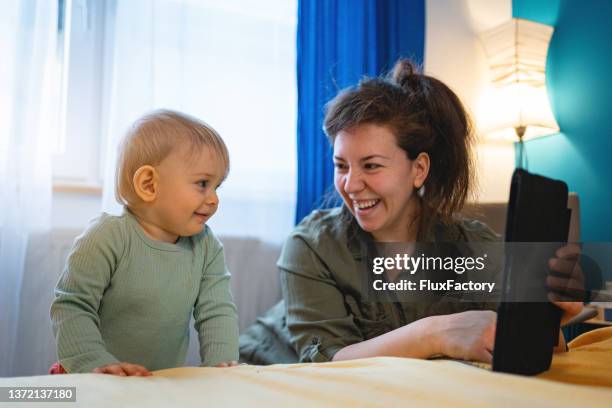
[{"x": 145, "y": 183}]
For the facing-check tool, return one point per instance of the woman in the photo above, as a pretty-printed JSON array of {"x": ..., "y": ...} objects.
[{"x": 403, "y": 169}]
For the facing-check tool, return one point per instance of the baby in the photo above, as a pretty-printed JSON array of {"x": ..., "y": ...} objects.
[{"x": 123, "y": 303}]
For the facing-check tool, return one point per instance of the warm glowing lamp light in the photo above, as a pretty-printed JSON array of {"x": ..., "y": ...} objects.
[{"x": 516, "y": 106}]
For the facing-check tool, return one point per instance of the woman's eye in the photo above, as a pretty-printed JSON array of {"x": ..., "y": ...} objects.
[
  {"x": 372, "y": 166},
  {"x": 340, "y": 166}
]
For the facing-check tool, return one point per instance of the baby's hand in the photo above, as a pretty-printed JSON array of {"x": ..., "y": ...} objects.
[
  {"x": 230, "y": 364},
  {"x": 123, "y": 369}
]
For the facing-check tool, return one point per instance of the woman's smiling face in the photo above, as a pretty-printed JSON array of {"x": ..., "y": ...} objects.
[{"x": 377, "y": 181}]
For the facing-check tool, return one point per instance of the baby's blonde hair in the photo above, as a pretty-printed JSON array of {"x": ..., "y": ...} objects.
[{"x": 151, "y": 139}]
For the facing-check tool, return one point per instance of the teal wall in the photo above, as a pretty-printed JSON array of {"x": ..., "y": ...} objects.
[
  {"x": 542, "y": 11},
  {"x": 579, "y": 82}
]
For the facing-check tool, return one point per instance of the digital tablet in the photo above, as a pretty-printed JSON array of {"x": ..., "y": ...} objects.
[{"x": 528, "y": 331}]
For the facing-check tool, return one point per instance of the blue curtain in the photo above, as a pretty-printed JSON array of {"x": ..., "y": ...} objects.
[{"x": 339, "y": 42}]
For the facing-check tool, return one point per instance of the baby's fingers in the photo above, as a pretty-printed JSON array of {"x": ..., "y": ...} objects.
[
  {"x": 135, "y": 369},
  {"x": 114, "y": 369},
  {"x": 224, "y": 364}
]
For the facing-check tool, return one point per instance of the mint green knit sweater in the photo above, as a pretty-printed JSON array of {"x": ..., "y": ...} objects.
[{"x": 126, "y": 297}]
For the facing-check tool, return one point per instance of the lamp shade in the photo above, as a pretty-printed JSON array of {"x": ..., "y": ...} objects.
[{"x": 517, "y": 98}]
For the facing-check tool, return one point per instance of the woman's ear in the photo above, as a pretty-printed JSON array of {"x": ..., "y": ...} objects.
[
  {"x": 420, "y": 167},
  {"x": 145, "y": 182}
]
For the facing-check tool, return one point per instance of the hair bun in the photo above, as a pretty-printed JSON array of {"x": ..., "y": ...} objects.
[{"x": 403, "y": 71}]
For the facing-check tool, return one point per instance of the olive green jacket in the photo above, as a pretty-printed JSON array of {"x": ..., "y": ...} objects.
[{"x": 324, "y": 310}]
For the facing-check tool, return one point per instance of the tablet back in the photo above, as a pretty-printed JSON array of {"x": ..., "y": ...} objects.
[{"x": 528, "y": 331}]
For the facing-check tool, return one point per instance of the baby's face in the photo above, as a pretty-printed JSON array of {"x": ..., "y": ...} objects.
[{"x": 186, "y": 196}]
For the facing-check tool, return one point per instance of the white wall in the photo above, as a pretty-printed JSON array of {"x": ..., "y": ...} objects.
[
  {"x": 454, "y": 54},
  {"x": 74, "y": 210}
]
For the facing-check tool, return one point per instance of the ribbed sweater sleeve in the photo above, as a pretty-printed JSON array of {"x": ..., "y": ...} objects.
[
  {"x": 74, "y": 312},
  {"x": 215, "y": 313}
]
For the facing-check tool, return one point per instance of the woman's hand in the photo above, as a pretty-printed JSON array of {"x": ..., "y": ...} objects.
[
  {"x": 123, "y": 370},
  {"x": 566, "y": 281},
  {"x": 468, "y": 335}
]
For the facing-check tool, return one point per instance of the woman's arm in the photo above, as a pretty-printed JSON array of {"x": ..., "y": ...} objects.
[
  {"x": 468, "y": 335},
  {"x": 318, "y": 321},
  {"x": 322, "y": 328},
  {"x": 416, "y": 340}
]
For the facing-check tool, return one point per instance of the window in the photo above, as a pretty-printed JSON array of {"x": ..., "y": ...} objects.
[
  {"x": 78, "y": 160},
  {"x": 230, "y": 63}
]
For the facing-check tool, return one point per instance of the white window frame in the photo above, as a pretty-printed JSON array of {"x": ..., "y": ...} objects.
[{"x": 77, "y": 165}]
